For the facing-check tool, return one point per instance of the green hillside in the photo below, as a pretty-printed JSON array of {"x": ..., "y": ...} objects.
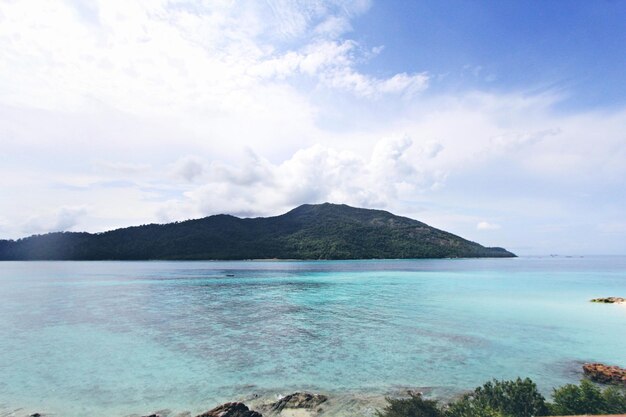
[{"x": 324, "y": 231}]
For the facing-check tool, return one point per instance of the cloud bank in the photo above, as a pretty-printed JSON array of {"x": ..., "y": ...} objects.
[{"x": 120, "y": 113}]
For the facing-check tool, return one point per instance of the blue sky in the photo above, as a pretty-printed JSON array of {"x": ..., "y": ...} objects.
[
  {"x": 503, "y": 122},
  {"x": 575, "y": 46}
]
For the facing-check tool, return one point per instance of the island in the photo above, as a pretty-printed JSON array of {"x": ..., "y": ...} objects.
[
  {"x": 609, "y": 300},
  {"x": 310, "y": 231}
]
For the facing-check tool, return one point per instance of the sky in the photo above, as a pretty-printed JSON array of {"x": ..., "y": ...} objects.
[{"x": 503, "y": 122}]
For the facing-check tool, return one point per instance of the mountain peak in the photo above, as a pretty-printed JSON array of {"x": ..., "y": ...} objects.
[{"x": 309, "y": 231}]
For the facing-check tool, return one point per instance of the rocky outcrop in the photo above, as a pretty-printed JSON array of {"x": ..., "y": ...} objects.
[
  {"x": 606, "y": 374},
  {"x": 298, "y": 400},
  {"x": 609, "y": 300},
  {"x": 231, "y": 410}
]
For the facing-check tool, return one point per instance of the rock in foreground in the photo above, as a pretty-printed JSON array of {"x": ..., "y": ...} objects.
[
  {"x": 606, "y": 374},
  {"x": 609, "y": 300},
  {"x": 231, "y": 410},
  {"x": 298, "y": 400}
]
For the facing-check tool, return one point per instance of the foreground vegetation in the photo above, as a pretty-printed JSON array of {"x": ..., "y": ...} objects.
[
  {"x": 322, "y": 231},
  {"x": 519, "y": 398}
]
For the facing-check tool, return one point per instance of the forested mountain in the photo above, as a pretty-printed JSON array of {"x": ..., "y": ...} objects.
[{"x": 323, "y": 231}]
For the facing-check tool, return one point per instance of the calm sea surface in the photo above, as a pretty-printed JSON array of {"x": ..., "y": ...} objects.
[{"x": 116, "y": 338}]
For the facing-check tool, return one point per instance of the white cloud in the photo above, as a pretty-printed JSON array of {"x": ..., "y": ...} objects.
[
  {"x": 514, "y": 140},
  {"x": 63, "y": 219},
  {"x": 188, "y": 168},
  {"x": 333, "y": 64},
  {"x": 431, "y": 149},
  {"x": 153, "y": 58},
  {"x": 68, "y": 217},
  {"x": 483, "y": 225},
  {"x": 362, "y": 85},
  {"x": 333, "y": 26},
  {"x": 168, "y": 110},
  {"x": 294, "y": 18},
  {"x": 315, "y": 174},
  {"x": 255, "y": 170}
]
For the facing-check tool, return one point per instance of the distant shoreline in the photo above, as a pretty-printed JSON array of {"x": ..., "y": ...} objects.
[{"x": 259, "y": 260}]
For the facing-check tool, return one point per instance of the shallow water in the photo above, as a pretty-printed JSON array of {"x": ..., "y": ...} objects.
[{"x": 116, "y": 338}]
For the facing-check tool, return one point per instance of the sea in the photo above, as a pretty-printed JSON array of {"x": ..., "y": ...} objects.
[{"x": 106, "y": 339}]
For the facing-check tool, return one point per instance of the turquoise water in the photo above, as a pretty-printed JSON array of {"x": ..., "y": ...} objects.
[{"x": 116, "y": 338}]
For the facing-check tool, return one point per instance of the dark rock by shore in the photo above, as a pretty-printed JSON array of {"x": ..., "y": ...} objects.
[
  {"x": 298, "y": 400},
  {"x": 609, "y": 300},
  {"x": 231, "y": 410},
  {"x": 604, "y": 373}
]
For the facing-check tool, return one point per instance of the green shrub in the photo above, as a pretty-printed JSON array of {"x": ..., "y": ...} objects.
[
  {"x": 519, "y": 398},
  {"x": 414, "y": 406},
  {"x": 587, "y": 398},
  {"x": 468, "y": 406},
  {"x": 614, "y": 400}
]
